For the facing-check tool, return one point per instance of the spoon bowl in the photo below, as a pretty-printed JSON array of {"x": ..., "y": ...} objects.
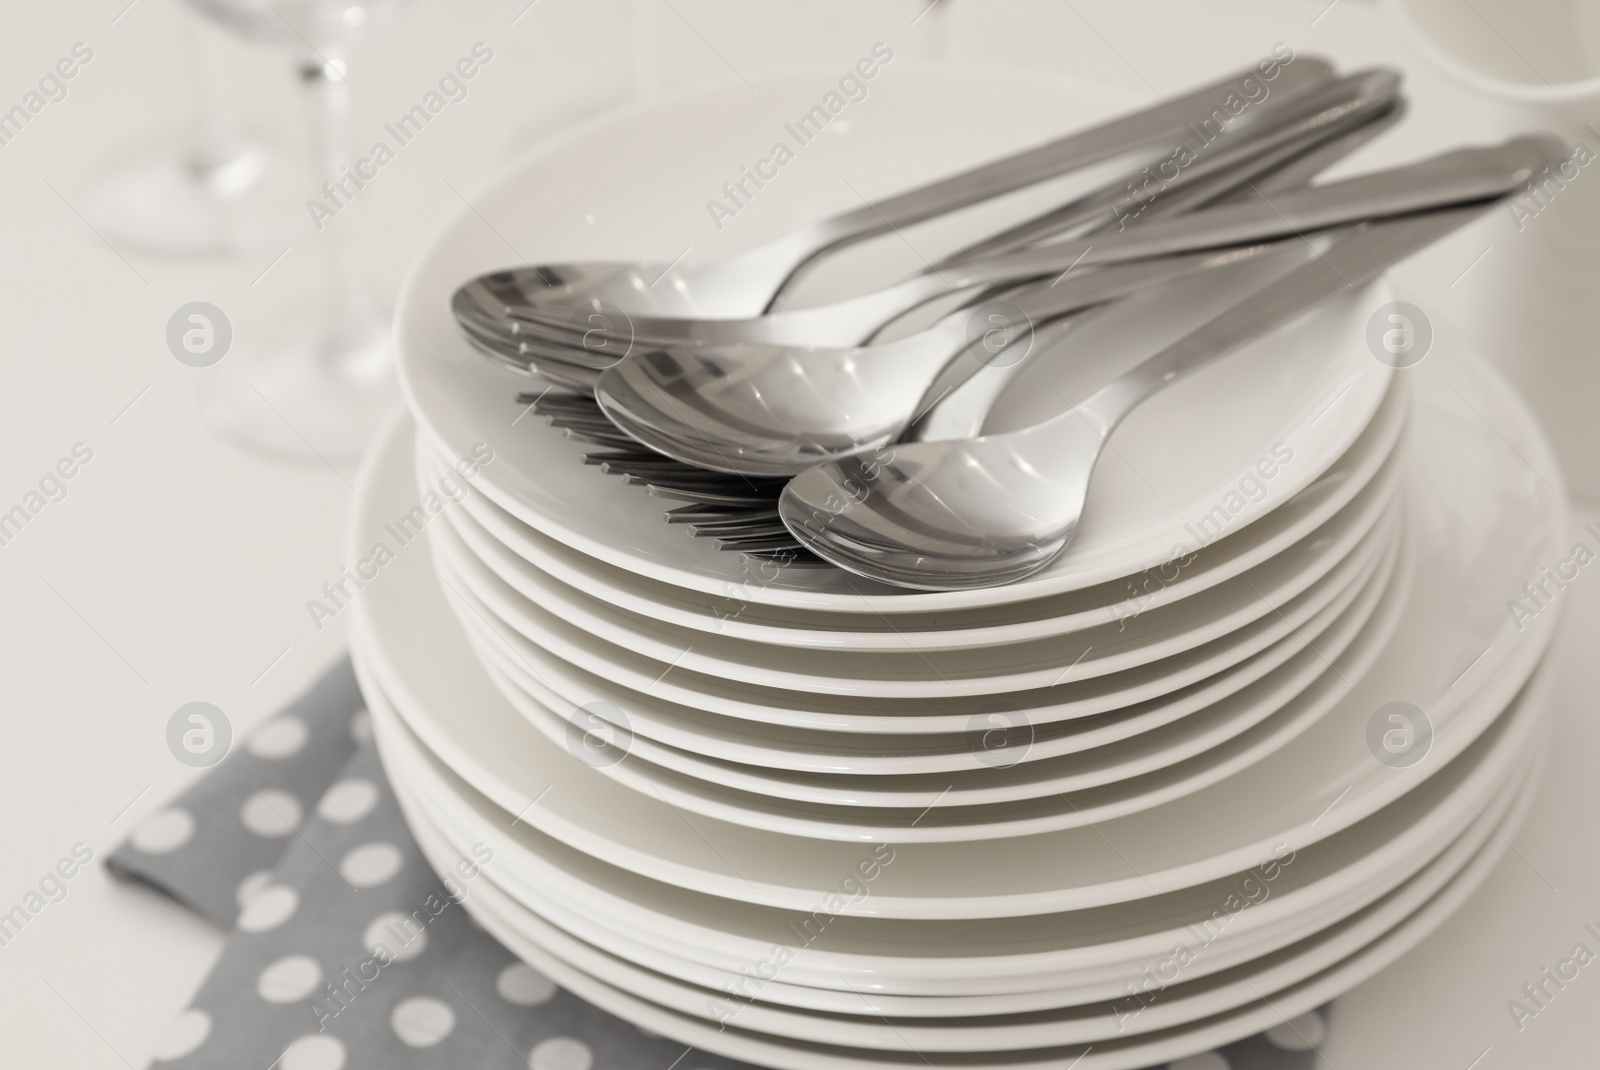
[
  {"x": 987, "y": 511},
  {"x": 943, "y": 516}
]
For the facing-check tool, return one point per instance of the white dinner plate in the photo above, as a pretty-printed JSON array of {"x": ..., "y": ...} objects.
[
  {"x": 989, "y": 776},
  {"x": 493, "y": 909},
  {"x": 875, "y": 1022},
  {"x": 1038, "y": 800},
  {"x": 530, "y": 604},
  {"x": 1036, "y": 726},
  {"x": 1124, "y": 742},
  {"x": 1291, "y": 403},
  {"x": 1082, "y": 956},
  {"x": 538, "y": 566},
  {"x": 1231, "y": 621},
  {"x": 1487, "y": 526}
]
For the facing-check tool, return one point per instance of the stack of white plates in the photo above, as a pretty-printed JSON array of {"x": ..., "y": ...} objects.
[{"x": 1263, "y": 726}]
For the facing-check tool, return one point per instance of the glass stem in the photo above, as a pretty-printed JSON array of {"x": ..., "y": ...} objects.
[
  {"x": 214, "y": 141},
  {"x": 328, "y": 119}
]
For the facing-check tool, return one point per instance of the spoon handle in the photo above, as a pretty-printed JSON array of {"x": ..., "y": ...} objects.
[
  {"x": 1362, "y": 256},
  {"x": 1204, "y": 169},
  {"x": 1458, "y": 177},
  {"x": 1123, "y": 134}
]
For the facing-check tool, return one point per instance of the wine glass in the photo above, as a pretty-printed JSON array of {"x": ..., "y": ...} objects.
[
  {"x": 318, "y": 381},
  {"x": 203, "y": 190}
]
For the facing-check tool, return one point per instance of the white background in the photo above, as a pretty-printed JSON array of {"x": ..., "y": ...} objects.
[{"x": 178, "y": 567}]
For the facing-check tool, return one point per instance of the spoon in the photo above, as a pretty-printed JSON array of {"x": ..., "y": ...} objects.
[
  {"x": 959, "y": 401},
  {"x": 741, "y": 515},
  {"x": 986, "y": 511},
  {"x": 749, "y": 283},
  {"x": 775, "y": 410},
  {"x": 593, "y": 336}
]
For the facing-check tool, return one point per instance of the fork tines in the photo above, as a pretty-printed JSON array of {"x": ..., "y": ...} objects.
[{"x": 738, "y": 513}]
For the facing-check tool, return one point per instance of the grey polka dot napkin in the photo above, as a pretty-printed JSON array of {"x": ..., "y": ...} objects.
[{"x": 348, "y": 951}]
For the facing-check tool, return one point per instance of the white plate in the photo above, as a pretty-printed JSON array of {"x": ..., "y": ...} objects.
[
  {"x": 1039, "y": 801},
  {"x": 542, "y": 568},
  {"x": 1245, "y": 616},
  {"x": 530, "y": 603},
  {"x": 1488, "y": 528},
  {"x": 986, "y": 776},
  {"x": 1119, "y": 673},
  {"x": 1079, "y": 956},
  {"x": 1172, "y": 1043},
  {"x": 1121, "y": 740},
  {"x": 856, "y": 1019},
  {"x": 940, "y": 744},
  {"x": 1306, "y": 392}
]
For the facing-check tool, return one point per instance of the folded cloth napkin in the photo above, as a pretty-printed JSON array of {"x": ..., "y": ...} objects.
[{"x": 348, "y": 951}]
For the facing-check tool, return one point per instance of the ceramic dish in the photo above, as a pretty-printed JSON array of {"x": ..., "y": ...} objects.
[
  {"x": 1488, "y": 527},
  {"x": 1038, "y": 800},
  {"x": 836, "y": 739},
  {"x": 1080, "y": 956},
  {"x": 538, "y": 567},
  {"x": 997, "y": 749},
  {"x": 1293, "y": 402},
  {"x": 1122, "y": 671},
  {"x": 1167, "y": 1044},
  {"x": 873, "y": 1022},
  {"x": 1142, "y": 637},
  {"x": 1002, "y": 762}
]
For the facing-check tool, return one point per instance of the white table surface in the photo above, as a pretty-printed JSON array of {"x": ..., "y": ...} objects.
[{"x": 178, "y": 567}]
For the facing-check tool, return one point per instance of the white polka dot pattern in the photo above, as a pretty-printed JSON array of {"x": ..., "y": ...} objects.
[
  {"x": 524, "y": 986},
  {"x": 317, "y": 1051},
  {"x": 280, "y": 738},
  {"x": 560, "y": 1053},
  {"x": 422, "y": 1022},
  {"x": 236, "y": 842},
  {"x": 271, "y": 813},
  {"x": 268, "y": 909},
  {"x": 183, "y": 1036},
  {"x": 371, "y": 864},
  {"x": 250, "y": 886},
  {"x": 290, "y": 979},
  {"x": 400, "y": 934},
  {"x": 164, "y": 832},
  {"x": 348, "y": 801}
]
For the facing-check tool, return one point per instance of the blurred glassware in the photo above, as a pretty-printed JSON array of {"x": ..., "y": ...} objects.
[
  {"x": 318, "y": 381},
  {"x": 204, "y": 190},
  {"x": 1529, "y": 302}
]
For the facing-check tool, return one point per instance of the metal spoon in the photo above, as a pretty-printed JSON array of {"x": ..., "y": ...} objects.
[
  {"x": 575, "y": 348},
  {"x": 748, "y": 284},
  {"x": 775, "y": 410},
  {"x": 959, "y": 401},
  {"x": 992, "y": 510}
]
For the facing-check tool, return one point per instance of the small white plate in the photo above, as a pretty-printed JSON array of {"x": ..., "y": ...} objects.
[
  {"x": 1488, "y": 525},
  {"x": 543, "y": 568},
  {"x": 988, "y": 776},
  {"x": 940, "y": 814},
  {"x": 1292, "y": 403},
  {"x": 727, "y": 751},
  {"x": 595, "y": 636},
  {"x": 528, "y": 600}
]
